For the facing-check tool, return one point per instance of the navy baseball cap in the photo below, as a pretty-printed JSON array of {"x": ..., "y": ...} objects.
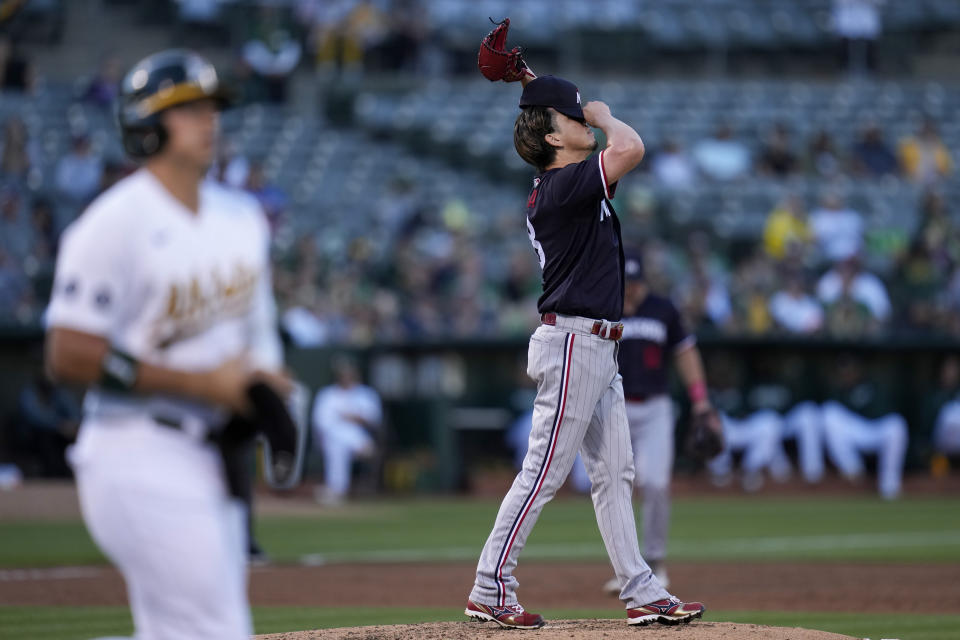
[
  {"x": 551, "y": 91},
  {"x": 633, "y": 267}
]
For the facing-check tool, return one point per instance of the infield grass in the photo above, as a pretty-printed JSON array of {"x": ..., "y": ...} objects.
[{"x": 76, "y": 623}]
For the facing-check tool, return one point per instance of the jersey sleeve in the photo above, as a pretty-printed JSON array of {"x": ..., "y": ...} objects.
[
  {"x": 93, "y": 278},
  {"x": 265, "y": 349},
  {"x": 678, "y": 338},
  {"x": 579, "y": 184}
]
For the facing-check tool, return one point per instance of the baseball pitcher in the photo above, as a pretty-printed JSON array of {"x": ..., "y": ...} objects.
[
  {"x": 573, "y": 354},
  {"x": 162, "y": 307}
]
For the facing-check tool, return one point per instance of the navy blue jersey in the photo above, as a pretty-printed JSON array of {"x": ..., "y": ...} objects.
[
  {"x": 576, "y": 235},
  {"x": 650, "y": 337}
]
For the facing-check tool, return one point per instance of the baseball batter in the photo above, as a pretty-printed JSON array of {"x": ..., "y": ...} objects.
[
  {"x": 162, "y": 306},
  {"x": 573, "y": 354},
  {"x": 653, "y": 336}
]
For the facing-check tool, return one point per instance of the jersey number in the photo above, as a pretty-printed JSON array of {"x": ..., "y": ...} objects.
[{"x": 536, "y": 244}]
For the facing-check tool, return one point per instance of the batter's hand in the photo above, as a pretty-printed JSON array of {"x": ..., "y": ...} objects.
[
  {"x": 279, "y": 381},
  {"x": 227, "y": 385},
  {"x": 595, "y": 112}
]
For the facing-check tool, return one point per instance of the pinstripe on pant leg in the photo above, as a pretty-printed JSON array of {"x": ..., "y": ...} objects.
[
  {"x": 567, "y": 392},
  {"x": 608, "y": 456}
]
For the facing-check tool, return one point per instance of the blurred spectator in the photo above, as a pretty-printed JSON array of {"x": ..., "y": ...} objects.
[
  {"x": 722, "y": 157},
  {"x": 848, "y": 279},
  {"x": 400, "y": 210},
  {"x": 521, "y": 281},
  {"x": 777, "y": 158},
  {"x": 837, "y": 229},
  {"x": 44, "y": 236},
  {"x": 105, "y": 84},
  {"x": 858, "y": 24},
  {"x": 754, "y": 281},
  {"x": 702, "y": 295},
  {"x": 938, "y": 232},
  {"x": 49, "y": 418},
  {"x": 16, "y": 71},
  {"x": 406, "y": 29},
  {"x": 79, "y": 173},
  {"x": 920, "y": 281},
  {"x": 273, "y": 54},
  {"x": 822, "y": 157},
  {"x": 347, "y": 417},
  {"x": 16, "y": 238},
  {"x": 672, "y": 167},
  {"x": 786, "y": 232},
  {"x": 273, "y": 200},
  {"x": 201, "y": 12},
  {"x": 342, "y": 31},
  {"x": 794, "y": 309},
  {"x": 18, "y": 153},
  {"x": 14, "y": 289},
  {"x": 871, "y": 156},
  {"x": 924, "y": 157},
  {"x": 858, "y": 419},
  {"x": 945, "y": 438}
]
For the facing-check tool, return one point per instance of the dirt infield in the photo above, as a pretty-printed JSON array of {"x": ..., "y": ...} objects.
[
  {"x": 916, "y": 588},
  {"x": 566, "y": 629}
]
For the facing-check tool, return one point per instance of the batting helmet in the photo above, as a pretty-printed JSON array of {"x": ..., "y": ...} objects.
[{"x": 156, "y": 83}]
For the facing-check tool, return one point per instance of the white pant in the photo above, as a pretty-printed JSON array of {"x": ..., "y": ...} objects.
[
  {"x": 340, "y": 445},
  {"x": 651, "y": 434},
  {"x": 848, "y": 435},
  {"x": 946, "y": 433},
  {"x": 805, "y": 423},
  {"x": 155, "y": 502},
  {"x": 758, "y": 436}
]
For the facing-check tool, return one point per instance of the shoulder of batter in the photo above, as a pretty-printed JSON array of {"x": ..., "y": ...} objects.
[
  {"x": 113, "y": 218},
  {"x": 240, "y": 206}
]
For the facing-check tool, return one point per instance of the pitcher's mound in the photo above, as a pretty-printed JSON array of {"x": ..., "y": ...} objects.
[{"x": 565, "y": 629}]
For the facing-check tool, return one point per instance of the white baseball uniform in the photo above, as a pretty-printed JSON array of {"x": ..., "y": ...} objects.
[
  {"x": 340, "y": 437},
  {"x": 186, "y": 291}
]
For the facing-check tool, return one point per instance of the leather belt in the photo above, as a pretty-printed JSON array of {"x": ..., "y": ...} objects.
[{"x": 602, "y": 328}]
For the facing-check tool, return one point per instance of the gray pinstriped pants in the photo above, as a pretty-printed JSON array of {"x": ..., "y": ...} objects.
[{"x": 579, "y": 406}]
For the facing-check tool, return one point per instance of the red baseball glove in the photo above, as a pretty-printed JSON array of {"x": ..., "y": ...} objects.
[{"x": 495, "y": 62}]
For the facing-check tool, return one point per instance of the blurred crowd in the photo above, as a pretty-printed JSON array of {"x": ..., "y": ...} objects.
[
  {"x": 443, "y": 270},
  {"x": 335, "y": 38},
  {"x": 816, "y": 267}
]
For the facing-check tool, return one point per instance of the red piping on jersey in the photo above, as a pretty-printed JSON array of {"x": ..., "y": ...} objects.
[
  {"x": 501, "y": 587},
  {"x": 603, "y": 176}
]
